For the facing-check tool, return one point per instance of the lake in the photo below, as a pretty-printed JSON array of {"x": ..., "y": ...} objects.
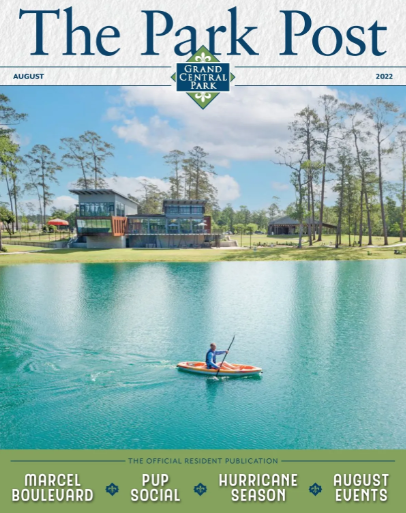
[{"x": 88, "y": 355}]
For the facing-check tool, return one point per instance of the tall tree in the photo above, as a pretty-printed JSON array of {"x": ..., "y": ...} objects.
[
  {"x": 77, "y": 155},
  {"x": 149, "y": 198},
  {"x": 9, "y": 160},
  {"x": 350, "y": 193},
  {"x": 174, "y": 160},
  {"x": 274, "y": 209},
  {"x": 358, "y": 132},
  {"x": 7, "y": 219},
  {"x": 293, "y": 159},
  {"x": 32, "y": 186},
  {"x": 328, "y": 124},
  {"x": 199, "y": 177},
  {"x": 260, "y": 218},
  {"x": 97, "y": 152},
  {"x": 243, "y": 216},
  {"x": 304, "y": 129},
  {"x": 344, "y": 167},
  {"x": 401, "y": 145},
  {"x": 228, "y": 216},
  {"x": 385, "y": 120},
  {"x": 15, "y": 172},
  {"x": 9, "y": 117},
  {"x": 42, "y": 172},
  {"x": 187, "y": 171}
]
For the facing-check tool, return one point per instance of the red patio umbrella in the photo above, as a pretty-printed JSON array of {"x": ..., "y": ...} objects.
[{"x": 58, "y": 222}]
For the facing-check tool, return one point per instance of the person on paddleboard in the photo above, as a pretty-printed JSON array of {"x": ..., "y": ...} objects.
[{"x": 211, "y": 357}]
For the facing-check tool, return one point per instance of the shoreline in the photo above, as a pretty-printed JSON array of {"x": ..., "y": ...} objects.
[{"x": 276, "y": 254}]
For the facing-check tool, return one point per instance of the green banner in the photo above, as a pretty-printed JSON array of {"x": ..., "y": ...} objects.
[{"x": 105, "y": 481}]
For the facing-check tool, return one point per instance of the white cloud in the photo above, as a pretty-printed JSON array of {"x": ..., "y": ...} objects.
[
  {"x": 133, "y": 185},
  {"x": 279, "y": 186},
  {"x": 247, "y": 124},
  {"x": 113, "y": 114},
  {"x": 228, "y": 188},
  {"x": 60, "y": 202},
  {"x": 21, "y": 140},
  {"x": 64, "y": 203}
]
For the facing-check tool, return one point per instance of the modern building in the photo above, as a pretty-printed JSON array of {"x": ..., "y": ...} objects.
[
  {"x": 286, "y": 225},
  {"x": 107, "y": 219}
]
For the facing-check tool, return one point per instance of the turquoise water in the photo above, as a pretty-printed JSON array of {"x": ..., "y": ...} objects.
[{"x": 88, "y": 355}]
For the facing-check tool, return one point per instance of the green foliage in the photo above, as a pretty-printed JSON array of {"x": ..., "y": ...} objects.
[
  {"x": 59, "y": 214},
  {"x": 274, "y": 210},
  {"x": 174, "y": 159},
  {"x": 49, "y": 228},
  {"x": 150, "y": 199},
  {"x": 251, "y": 228},
  {"x": 394, "y": 230},
  {"x": 8, "y": 116},
  {"x": 7, "y": 218},
  {"x": 65, "y": 215},
  {"x": 88, "y": 153},
  {"x": 239, "y": 228},
  {"x": 42, "y": 169}
]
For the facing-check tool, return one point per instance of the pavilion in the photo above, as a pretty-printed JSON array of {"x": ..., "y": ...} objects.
[{"x": 286, "y": 225}]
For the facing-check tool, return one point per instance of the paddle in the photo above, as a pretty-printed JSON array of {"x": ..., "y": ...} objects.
[{"x": 229, "y": 347}]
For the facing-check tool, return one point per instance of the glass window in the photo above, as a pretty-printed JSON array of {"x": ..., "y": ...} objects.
[
  {"x": 198, "y": 226},
  {"x": 184, "y": 209},
  {"x": 94, "y": 226},
  {"x": 119, "y": 209},
  {"x": 157, "y": 226},
  {"x": 147, "y": 226},
  {"x": 97, "y": 209},
  {"x": 185, "y": 226},
  {"x": 173, "y": 226},
  {"x": 197, "y": 209},
  {"x": 138, "y": 226}
]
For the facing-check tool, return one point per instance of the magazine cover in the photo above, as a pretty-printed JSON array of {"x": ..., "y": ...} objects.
[{"x": 202, "y": 255}]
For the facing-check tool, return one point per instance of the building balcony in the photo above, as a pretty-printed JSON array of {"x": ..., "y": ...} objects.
[
  {"x": 101, "y": 225},
  {"x": 162, "y": 225}
]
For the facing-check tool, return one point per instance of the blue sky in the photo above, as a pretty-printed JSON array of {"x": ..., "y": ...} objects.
[{"x": 241, "y": 131}]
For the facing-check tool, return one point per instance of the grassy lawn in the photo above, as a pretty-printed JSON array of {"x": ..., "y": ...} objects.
[
  {"x": 36, "y": 236},
  {"x": 11, "y": 248},
  {"x": 283, "y": 239},
  {"x": 55, "y": 256},
  {"x": 314, "y": 253}
]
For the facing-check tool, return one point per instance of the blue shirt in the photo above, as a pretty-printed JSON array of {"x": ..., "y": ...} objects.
[{"x": 211, "y": 359}]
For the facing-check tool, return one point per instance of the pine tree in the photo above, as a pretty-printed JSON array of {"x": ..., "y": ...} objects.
[
  {"x": 174, "y": 159},
  {"x": 42, "y": 170}
]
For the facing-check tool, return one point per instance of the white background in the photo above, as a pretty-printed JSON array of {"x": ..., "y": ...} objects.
[{"x": 18, "y": 41}]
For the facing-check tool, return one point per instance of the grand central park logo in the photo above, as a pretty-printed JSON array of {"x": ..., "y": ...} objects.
[{"x": 203, "y": 77}]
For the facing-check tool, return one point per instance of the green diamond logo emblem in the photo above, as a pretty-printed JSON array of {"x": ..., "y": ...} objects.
[{"x": 203, "y": 77}]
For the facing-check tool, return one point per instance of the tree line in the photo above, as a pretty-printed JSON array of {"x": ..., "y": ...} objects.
[
  {"x": 352, "y": 146},
  {"x": 342, "y": 147},
  {"x": 190, "y": 177},
  {"x": 35, "y": 172}
]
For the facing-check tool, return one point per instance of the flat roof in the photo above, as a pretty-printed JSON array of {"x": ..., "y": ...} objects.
[
  {"x": 100, "y": 192},
  {"x": 146, "y": 215},
  {"x": 289, "y": 221},
  {"x": 184, "y": 202}
]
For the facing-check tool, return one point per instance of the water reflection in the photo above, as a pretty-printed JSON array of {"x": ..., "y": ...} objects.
[{"x": 88, "y": 355}]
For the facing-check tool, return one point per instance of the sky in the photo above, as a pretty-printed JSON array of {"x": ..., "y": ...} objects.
[{"x": 240, "y": 131}]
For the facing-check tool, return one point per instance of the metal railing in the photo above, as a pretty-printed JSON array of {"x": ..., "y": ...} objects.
[
  {"x": 29, "y": 237},
  {"x": 35, "y": 244}
]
